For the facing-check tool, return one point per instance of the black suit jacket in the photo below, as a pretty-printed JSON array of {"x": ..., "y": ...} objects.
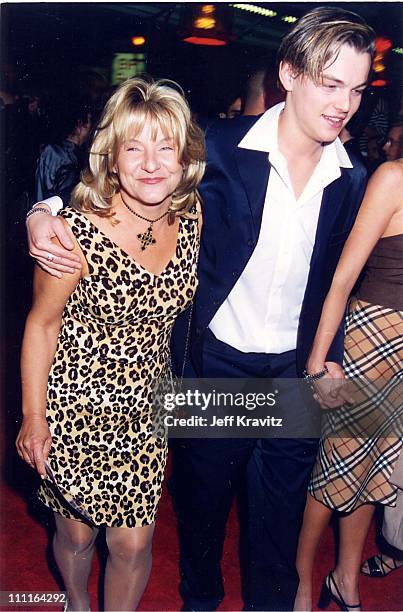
[{"x": 233, "y": 191}]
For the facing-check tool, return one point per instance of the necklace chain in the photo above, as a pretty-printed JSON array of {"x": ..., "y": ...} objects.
[
  {"x": 146, "y": 238},
  {"x": 151, "y": 221}
]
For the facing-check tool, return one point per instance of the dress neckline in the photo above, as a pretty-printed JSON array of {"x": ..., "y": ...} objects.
[
  {"x": 391, "y": 236},
  {"x": 130, "y": 258}
]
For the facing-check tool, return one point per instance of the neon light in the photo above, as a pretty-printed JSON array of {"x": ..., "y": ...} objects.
[{"x": 252, "y": 8}]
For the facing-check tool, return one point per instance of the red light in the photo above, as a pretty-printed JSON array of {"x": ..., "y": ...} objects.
[
  {"x": 379, "y": 83},
  {"x": 200, "y": 40},
  {"x": 383, "y": 44}
]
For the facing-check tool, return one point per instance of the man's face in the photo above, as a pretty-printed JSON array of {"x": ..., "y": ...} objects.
[
  {"x": 320, "y": 110},
  {"x": 234, "y": 109},
  {"x": 393, "y": 146}
]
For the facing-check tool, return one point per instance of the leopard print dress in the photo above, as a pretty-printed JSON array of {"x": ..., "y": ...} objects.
[{"x": 106, "y": 466}]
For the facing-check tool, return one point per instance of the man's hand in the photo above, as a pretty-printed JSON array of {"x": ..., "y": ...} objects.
[
  {"x": 332, "y": 391},
  {"x": 34, "y": 442},
  {"x": 41, "y": 228}
]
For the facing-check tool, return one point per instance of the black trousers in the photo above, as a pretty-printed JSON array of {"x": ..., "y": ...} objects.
[{"x": 271, "y": 475}]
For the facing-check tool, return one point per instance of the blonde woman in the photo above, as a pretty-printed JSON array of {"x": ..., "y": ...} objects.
[{"x": 95, "y": 340}]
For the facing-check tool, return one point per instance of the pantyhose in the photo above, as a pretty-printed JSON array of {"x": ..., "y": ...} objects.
[{"x": 127, "y": 570}]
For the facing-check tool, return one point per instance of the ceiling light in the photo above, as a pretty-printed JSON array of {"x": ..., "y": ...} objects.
[
  {"x": 137, "y": 41},
  {"x": 206, "y": 24},
  {"x": 253, "y": 8}
]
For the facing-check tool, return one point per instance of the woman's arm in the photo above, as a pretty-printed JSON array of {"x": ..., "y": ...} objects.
[
  {"x": 38, "y": 349},
  {"x": 381, "y": 202}
]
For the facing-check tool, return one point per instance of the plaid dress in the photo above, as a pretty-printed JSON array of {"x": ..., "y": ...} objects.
[{"x": 362, "y": 442}]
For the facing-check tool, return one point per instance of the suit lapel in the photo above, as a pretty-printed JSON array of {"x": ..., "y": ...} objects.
[
  {"x": 332, "y": 201},
  {"x": 254, "y": 171}
]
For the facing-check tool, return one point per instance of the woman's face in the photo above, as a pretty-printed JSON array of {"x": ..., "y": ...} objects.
[
  {"x": 149, "y": 170},
  {"x": 393, "y": 145}
]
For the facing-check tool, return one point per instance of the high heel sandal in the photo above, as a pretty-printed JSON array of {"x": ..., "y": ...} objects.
[
  {"x": 327, "y": 595},
  {"x": 380, "y": 566}
]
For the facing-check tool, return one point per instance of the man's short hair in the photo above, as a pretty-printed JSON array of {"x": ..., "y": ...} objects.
[{"x": 317, "y": 37}]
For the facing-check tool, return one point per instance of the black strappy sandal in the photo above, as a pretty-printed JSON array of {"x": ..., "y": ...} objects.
[
  {"x": 327, "y": 595},
  {"x": 378, "y": 567}
]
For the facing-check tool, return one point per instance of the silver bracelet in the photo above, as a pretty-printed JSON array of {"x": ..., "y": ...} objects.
[
  {"x": 37, "y": 209},
  {"x": 316, "y": 375}
]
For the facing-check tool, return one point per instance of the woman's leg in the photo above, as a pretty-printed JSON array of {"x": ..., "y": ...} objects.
[
  {"x": 73, "y": 548},
  {"x": 128, "y": 566},
  {"x": 353, "y": 532},
  {"x": 316, "y": 518}
]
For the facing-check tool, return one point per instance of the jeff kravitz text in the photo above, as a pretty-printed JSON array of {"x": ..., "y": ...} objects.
[{"x": 227, "y": 421}]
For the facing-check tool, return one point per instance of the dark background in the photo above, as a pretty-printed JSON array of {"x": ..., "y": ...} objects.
[{"x": 46, "y": 44}]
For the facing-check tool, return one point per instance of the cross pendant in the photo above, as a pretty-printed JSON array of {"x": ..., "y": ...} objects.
[{"x": 146, "y": 238}]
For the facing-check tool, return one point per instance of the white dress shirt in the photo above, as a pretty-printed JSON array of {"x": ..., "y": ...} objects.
[
  {"x": 261, "y": 313},
  {"x": 55, "y": 204}
]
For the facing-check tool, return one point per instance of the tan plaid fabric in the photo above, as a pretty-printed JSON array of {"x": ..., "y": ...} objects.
[{"x": 362, "y": 442}]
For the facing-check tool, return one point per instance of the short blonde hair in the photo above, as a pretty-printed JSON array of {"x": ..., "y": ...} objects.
[
  {"x": 317, "y": 37},
  {"x": 136, "y": 102}
]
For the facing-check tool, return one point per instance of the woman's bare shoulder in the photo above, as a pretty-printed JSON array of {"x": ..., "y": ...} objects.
[{"x": 389, "y": 174}]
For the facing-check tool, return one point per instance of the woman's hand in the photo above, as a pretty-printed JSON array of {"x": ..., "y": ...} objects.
[
  {"x": 33, "y": 443},
  {"x": 41, "y": 228},
  {"x": 330, "y": 391}
]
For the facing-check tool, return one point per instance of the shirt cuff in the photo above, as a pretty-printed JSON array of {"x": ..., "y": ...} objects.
[{"x": 55, "y": 204}]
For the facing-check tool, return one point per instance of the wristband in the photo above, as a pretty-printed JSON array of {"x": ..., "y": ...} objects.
[
  {"x": 36, "y": 210},
  {"x": 316, "y": 375}
]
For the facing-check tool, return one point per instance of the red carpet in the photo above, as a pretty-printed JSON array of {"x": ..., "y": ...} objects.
[{"x": 24, "y": 543}]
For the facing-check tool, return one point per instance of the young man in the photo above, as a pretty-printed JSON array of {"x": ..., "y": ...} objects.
[{"x": 280, "y": 197}]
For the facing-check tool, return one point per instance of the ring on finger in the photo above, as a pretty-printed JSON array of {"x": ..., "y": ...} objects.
[{"x": 50, "y": 257}]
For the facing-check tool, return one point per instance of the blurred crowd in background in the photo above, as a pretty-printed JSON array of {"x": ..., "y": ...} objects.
[{"x": 45, "y": 132}]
